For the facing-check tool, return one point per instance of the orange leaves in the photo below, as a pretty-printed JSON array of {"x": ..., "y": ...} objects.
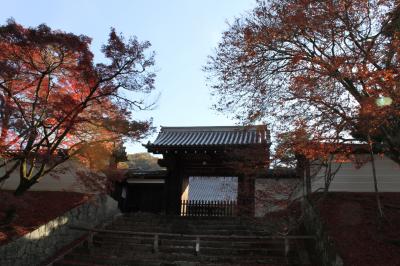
[
  {"x": 324, "y": 62},
  {"x": 248, "y": 34},
  {"x": 59, "y": 102}
]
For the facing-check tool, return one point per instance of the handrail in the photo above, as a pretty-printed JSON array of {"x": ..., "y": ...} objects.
[
  {"x": 156, "y": 235},
  {"x": 59, "y": 255}
]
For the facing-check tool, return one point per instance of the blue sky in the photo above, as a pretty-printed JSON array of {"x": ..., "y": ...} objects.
[{"x": 182, "y": 33}]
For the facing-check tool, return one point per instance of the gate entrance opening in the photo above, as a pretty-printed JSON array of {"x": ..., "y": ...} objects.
[{"x": 210, "y": 196}]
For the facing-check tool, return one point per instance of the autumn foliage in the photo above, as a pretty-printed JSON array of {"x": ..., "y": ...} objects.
[
  {"x": 330, "y": 66},
  {"x": 57, "y": 104}
]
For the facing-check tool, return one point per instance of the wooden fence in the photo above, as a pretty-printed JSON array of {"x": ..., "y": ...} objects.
[{"x": 208, "y": 208}]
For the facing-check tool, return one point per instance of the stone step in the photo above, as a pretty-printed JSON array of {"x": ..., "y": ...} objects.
[
  {"x": 187, "y": 249},
  {"x": 163, "y": 241},
  {"x": 194, "y": 220},
  {"x": 153, "y": 216},
  {"x": 224, "y": 241},
  {"x": 147, "y": 227},
  {"x": 106, "y": 258},
  {"x": 148, "y": 252},
  {"x": 120, "y": 235},
  {"x": 66, "y": 262},
  {"x": 192, "y": 231},
  {"x": 205, "y": 225},
  {"x": 70, "y": 262},
  {"x": 165, "y": 263},
  {"x": 208, "y": 224}
]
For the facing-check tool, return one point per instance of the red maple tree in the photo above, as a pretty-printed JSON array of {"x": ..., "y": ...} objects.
[
  {"x": 332, "y": 66},
  {"x": 57, "y": 104}
]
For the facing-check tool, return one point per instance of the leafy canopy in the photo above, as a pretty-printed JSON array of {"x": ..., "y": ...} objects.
[
  {"x": 56, "y": 104},
  {"x": 330, "y": 66}
]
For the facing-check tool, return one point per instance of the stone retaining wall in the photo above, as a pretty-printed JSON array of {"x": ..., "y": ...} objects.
[
  {"x": 37, "y": 246},
  {"x": 326, "y": 251}
]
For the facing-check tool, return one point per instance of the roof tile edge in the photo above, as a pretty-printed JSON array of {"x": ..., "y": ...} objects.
[{"x": 216, "y": 128}]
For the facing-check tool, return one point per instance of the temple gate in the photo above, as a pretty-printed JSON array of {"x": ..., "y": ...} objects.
[{"x": 235, "y": 151}]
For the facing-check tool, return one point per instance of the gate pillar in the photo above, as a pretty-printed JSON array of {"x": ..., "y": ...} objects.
[{"x": 245, "y": 200}]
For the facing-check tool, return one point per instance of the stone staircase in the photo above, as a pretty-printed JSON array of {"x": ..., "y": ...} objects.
[{"x": 146, "y": 239}]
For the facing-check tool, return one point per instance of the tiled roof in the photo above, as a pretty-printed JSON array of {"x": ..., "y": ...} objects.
[{"x": 210, "y": 136}]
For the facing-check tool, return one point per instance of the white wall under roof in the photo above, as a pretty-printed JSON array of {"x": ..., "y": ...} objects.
[
  {"x": 353, "y": 179},
  {"x": 64, "y": 179}
]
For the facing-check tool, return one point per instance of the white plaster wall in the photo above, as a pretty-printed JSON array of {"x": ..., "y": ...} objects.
[
  {"x": 63, "y": 179},
  {"x": 351, "y": 179}
]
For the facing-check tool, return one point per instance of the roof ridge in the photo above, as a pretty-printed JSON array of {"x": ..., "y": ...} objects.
[
  {"x": 213, "y": 128},
  {"x": 179, "y": 137}
]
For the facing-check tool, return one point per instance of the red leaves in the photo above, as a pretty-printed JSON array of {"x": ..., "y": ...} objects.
[
  {"x": 52, "y": 96},
  {"x": 322, "y": 62}
]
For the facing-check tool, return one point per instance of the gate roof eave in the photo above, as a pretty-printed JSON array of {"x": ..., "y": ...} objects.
[{"x": 209, "y": 138}]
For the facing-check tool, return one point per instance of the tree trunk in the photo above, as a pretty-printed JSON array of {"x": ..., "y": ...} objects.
[
  {"x": 378, "y": 200},
  {"x": 23, "y": 186}
]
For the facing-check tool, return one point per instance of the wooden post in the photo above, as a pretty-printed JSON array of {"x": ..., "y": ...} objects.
[
  {"x": 155, "y": 244},
  {"x": 182, "y": 207},
  {"x": 197, "y": 245},
  {"x": 287, "y": 247},
  {"x": 90, "y": 240},
  {"x": 246, "y": 190},
  {"x": 183, "y": 212},
  {"x": 173, "y": 184}
]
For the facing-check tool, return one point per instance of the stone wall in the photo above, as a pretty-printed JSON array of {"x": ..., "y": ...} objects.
[
  {"x": 324, "y": 247},
  {"x": 37, "y": 246}
]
